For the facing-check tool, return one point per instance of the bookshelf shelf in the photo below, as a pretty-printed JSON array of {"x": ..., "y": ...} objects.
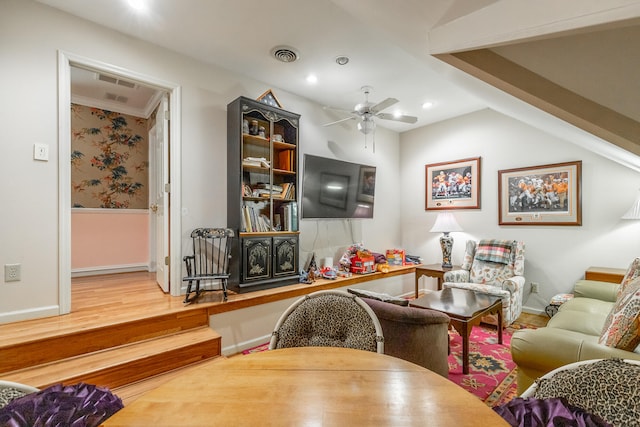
[{"x": 262, "y": 193}]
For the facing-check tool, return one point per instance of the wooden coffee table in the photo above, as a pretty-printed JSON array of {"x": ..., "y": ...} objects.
[{"x": 465, "y": 308}]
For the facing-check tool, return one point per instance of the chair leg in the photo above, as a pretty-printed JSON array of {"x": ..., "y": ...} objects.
[
  {"x": 186, "y": 297},
  {"x": 224, "y": 288}
]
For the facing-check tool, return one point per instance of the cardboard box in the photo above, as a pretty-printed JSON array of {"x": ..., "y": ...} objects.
[{"x": 395, "y": 256}]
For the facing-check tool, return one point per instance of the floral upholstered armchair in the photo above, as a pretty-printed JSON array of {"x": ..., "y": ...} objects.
[{"x": 493, "y": 267}]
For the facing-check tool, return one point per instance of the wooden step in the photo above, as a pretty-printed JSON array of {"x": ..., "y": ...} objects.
[
  {"x": 125, "y": 364},
  {"x": 130, "y": 392},
  {"x": 23, "y": 348}
]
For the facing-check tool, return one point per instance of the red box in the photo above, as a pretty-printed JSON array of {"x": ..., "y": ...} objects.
[{"x": 364, "y": 265}]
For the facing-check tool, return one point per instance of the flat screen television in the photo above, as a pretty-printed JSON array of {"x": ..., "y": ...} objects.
[{"x": 334, "y": 189}]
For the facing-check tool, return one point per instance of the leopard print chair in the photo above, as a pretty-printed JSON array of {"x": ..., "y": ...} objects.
[
  {"x": 607, "y": 388},
  {"x": 10, "y": 391},
  {"x": 331, "y": 318}
]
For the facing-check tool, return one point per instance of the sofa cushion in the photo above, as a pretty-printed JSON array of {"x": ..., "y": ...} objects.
[
  {"x": 379, "y": 296},
  {"x": 585, "y": 385},
  {"x": 622, "y": 326},
  {"x": 588, "y": 305},
  {"x": 579, "y": 321}
]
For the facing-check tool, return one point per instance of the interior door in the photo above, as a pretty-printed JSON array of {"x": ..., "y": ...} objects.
[{"x": 159, "y": 139}]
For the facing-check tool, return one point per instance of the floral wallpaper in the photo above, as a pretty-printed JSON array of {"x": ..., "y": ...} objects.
[{"x": 109, "y": 159}]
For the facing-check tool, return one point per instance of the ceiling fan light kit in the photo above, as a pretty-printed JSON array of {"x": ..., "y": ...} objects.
[{"x": 367, "y": 126}]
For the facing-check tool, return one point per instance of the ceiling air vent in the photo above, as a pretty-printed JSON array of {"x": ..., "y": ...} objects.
[
  {"x": 285, "y": 54},
  {"x": 116, "y": 81},
  {"x": 117, "y": 98}
]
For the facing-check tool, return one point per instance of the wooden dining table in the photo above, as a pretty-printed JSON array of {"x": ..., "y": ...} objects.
[{"x": 308, "y": 386}]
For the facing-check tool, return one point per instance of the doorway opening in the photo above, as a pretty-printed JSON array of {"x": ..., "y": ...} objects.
[{"x": 164, "y": 157}]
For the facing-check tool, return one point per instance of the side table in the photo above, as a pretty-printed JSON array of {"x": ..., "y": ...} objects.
[
  {"x": 432, "y": 270},
  {"x": 605, "y": 274},
  {"x": 556, "y": 302}
]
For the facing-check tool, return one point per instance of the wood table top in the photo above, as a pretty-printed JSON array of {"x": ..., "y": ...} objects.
[
  {"x": 456, "y": 302},
  {"x": 319, "y": 386}
]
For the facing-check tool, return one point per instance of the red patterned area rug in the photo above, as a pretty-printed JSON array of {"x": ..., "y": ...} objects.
[{"x": 492, "y": 373}]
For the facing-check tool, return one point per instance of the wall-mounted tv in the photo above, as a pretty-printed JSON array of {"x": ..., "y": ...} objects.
[{"x": 337, "y": 189}]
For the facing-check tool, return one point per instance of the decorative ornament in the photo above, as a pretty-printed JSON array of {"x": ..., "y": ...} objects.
[{"x": 269, "y": 98}]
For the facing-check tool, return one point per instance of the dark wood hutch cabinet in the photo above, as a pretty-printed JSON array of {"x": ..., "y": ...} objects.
[{"x": 262, "y": 194}]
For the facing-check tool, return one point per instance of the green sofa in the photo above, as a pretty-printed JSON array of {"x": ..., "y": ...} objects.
[{"x": 570, "y": 336}]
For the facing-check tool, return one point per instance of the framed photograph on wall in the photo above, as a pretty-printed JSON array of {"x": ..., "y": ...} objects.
[
  {"x": 367, "y": 184},
  {"x": 453, "y": 185},
  {"x": 541, "y": 195}
]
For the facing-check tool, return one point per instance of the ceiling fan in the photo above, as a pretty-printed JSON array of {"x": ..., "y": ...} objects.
[{"x": 366, "y": 111}]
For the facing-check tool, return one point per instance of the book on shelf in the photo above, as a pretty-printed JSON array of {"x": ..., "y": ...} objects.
[
  {"x": 253, "y": 221},
  {"x": 256, "y": 161},
  {"x": 266, "y": 186},
  {"x": 286, "y": 159},
  {"x": 264, "y": 193},
  {"x": 288, "y": 191},
  {"x": 290, "y": 216}
]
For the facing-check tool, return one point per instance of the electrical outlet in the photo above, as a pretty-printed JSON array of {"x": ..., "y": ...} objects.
[
  {"x": 11, "y": 272},
  {"x": 535, "y": 287},
  {"x": 41, "y": 152}
]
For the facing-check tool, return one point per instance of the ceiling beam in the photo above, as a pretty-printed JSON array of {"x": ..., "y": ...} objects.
[{"x": 534, "y": 89}]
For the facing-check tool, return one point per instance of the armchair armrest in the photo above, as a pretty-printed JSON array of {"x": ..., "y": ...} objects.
[
  {"x": 456, "y": 276},
  {"x": 514, "y": 284},
  {"x": 604, "y": 291}
]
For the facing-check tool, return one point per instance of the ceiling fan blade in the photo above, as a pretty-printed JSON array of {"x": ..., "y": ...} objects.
[
  {"x": 405, "y": 119},
  {"x": 384, "y": 104},
  {"x": 338, "y": 110},
  {"x": 339, "y": 121}
]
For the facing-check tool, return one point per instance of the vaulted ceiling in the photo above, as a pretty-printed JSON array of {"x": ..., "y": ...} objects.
[{"x": 575, "y": 60}]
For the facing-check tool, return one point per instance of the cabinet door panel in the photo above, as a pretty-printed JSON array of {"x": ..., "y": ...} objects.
[
  {"x": 256, "y": 258},
  {"x": 285, "y": 260}
]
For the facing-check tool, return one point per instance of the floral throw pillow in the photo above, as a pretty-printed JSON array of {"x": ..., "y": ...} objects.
[
  {"x": 622, "y": 327},
  {"x": 632, "y": 273}
]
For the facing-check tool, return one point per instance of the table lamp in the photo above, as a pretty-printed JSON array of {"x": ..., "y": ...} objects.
[
  {"x": 634, "y": 210},
  {"x": 446, "y": 223}
]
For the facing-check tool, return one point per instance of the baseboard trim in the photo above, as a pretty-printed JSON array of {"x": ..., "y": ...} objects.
[
  {"x": 240, "y": 347},
  {"x": 33, "y": 313},
  {"x": 110, "y": 269},
  {"x": 532, "y": 310}
]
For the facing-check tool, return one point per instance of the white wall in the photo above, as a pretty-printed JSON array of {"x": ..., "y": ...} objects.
[
  {"x": 32, "y": 35},
  {"x": 555, "y": 256}
]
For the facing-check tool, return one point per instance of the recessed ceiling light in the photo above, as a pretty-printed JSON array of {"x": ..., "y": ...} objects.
[
  {"x": 138, "y": 5},
  {"x": 312, "y": 79},
  {"x": 342, "y": 60},
  {"x": 427, "y": 104}
]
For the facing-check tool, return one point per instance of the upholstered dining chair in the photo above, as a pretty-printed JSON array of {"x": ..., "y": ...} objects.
[
  {"x": 10, "y": 390},
  {"x": 210, "y": 259},
  {"x": 493, "y": 267},
  {"x": 331, "y": 318}
]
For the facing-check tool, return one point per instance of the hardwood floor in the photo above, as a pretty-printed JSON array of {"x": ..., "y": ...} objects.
[{"x": 129, "y": 326}]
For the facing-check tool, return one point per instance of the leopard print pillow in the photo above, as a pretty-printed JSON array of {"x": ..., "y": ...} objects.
[{"x": 607, "y": 388}]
